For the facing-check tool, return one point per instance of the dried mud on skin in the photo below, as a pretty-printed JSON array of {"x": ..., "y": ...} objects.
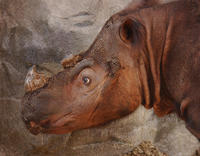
[{"x": 146, "y": 148}]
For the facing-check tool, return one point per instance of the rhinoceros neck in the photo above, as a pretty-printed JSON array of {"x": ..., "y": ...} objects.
[{"x": 159, "y": 27}]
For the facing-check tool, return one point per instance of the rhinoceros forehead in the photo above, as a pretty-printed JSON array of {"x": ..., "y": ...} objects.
[{"x": 104, "y": 46}]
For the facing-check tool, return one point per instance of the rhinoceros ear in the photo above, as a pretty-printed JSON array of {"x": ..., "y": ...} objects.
[{"x": 129, "y": 31}]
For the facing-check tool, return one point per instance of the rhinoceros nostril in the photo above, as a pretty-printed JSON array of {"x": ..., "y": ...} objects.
[
  {"x": 34, "y": 80},
  {"x": 34, "y": 128},
  {"x": 33, "y": 124}
]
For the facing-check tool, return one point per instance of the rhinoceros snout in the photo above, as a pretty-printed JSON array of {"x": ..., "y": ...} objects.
[
  {"x": 34, "y": 80},
  {"x": 33, "y": 127},
  {"x": 32, "y": 123}
]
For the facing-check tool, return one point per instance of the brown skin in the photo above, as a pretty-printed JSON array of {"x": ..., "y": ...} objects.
[{"x": 146, "y": 54}]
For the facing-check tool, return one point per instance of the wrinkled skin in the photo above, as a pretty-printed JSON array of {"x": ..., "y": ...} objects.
[{"x": 146, "y": 54}]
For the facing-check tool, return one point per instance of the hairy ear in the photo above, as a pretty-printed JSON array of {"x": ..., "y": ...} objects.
[{"x": 129, "y": 31}]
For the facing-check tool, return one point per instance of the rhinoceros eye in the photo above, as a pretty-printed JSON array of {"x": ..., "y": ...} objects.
[{"x": 86, "y": 80}]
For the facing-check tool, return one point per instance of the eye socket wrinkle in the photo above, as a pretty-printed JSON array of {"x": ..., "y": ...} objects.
[{"x": 86, "y": 63}]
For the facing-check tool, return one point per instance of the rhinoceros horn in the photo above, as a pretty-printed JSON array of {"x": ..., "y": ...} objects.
[
  {"x": 71, "y": 60},
  {"x": 39, "y": 75},
  {"x": 34, "y": 80}
]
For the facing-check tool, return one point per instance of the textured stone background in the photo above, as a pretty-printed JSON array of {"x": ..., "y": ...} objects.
[{"x": 37, "y": 31}]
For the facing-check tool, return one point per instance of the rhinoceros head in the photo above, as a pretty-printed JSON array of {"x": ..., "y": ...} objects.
[{"x": 94, "y": 87}]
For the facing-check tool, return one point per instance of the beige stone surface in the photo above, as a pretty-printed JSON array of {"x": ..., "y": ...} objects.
[
  {"x": 146, "y": 148},
  {"x": 38, "y": 31}
]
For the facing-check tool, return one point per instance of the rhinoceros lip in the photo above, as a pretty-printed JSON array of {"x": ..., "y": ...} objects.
[
  {"x": 56, "y": 129},
  {"x": 47, "y": 126}
]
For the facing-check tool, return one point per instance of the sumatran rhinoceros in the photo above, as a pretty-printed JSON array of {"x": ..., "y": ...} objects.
[{"x": 146, "y": 54}]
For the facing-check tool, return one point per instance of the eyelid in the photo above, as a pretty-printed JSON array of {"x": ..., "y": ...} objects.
[{"x": 86, "y": 73}]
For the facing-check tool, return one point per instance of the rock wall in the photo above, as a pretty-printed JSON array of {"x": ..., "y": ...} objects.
[{"x": 38, "y": 31}]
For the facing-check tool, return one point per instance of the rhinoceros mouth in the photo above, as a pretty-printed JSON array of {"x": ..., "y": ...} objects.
[
  {"x": 52, "y": 130},
  {"x": 57, "y": 130},
  {"x": 50, "y": 125},
  {"x": 40, "y": 128}
]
